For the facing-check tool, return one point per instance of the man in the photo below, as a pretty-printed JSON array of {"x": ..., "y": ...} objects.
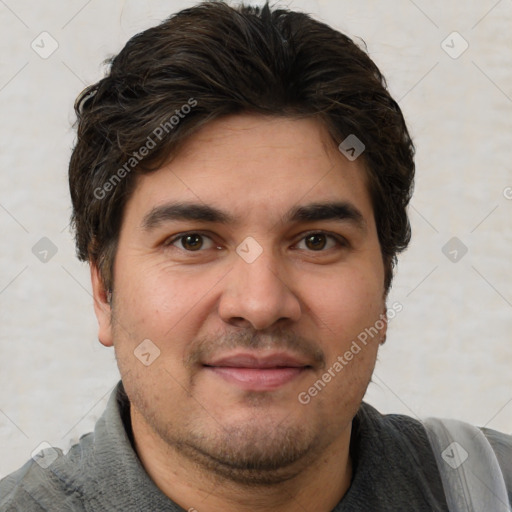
[{"x": 239, "y": 186}]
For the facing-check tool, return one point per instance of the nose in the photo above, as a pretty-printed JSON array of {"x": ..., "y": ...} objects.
[{"x": 258, "y": 294}]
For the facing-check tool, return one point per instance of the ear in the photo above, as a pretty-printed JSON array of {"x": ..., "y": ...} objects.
[
  {"x": 383, "y": 331},
  {"x": 102, "y": 307}
]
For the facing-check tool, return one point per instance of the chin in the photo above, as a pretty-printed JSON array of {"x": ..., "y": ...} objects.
[{"x": 252, "y": 453}]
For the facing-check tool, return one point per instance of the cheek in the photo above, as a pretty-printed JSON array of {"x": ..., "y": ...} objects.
[
  {"x": 153, "y": 293},
  {"x": 346, "y": 304},
  {"x": 164, "y": 304}
]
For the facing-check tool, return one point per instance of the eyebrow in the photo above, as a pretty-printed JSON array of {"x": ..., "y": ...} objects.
[{"x": 342, "y": 211}]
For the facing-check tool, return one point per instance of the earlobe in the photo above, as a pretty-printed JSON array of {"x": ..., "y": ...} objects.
[{"x": 102, "y": 307}]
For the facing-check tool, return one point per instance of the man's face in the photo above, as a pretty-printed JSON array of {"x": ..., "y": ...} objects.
[{"x": 249, "y": 311}]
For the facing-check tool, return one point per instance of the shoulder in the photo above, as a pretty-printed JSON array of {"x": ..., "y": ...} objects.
[
  {"x": 42, "y": 483},
  {"x": 399, "y": 427},
  {"x": 14, "y": 496},
  {"x": 502, "y": 445},
  {"x": 400, "y": 439},
  {"x": 501, "y": 442},
  {"x": 394, "y": 448},
  {"x": 443, "y": 431},
  {"x": 59, "y": 482}
]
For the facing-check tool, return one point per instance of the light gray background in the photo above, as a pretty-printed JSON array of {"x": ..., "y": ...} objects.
[{"x": 449, "y": 352}]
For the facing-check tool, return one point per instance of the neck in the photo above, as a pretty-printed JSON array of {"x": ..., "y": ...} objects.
[{"x": 318, "y": 483}]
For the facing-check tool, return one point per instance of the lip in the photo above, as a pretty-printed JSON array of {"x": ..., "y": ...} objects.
[
  {"x": 253, "y": 371},
  {"x": 258, "y": 360}
]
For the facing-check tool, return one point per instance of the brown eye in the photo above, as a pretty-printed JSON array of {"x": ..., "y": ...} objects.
[
  {"x": 316, "y": 241},
  {"x": 192, "y": 242},
  {"x": 319, "y": 241}
]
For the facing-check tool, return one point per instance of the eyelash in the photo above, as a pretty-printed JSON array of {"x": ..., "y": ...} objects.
[{"x": 340, "y": 241}]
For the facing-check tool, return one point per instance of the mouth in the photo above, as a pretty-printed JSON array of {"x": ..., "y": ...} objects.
[{"x": 255, "y": 372}]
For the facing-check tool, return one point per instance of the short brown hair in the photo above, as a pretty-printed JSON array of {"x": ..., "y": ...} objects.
[{"x": 214, "y": 60}]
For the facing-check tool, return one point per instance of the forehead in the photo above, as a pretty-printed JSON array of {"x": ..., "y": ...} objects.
[{"x": 256, "y": 167}]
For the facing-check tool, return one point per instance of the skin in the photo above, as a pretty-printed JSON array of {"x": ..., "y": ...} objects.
[{"x": 207, "y": 443}]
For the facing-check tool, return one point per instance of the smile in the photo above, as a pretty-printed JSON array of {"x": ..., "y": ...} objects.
[
  {"x": 257, "y": 379},
  {"x": 258, "y": 371}
]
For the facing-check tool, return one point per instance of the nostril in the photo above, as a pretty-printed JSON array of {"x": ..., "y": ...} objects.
[{"x": 239, "y": 321}]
